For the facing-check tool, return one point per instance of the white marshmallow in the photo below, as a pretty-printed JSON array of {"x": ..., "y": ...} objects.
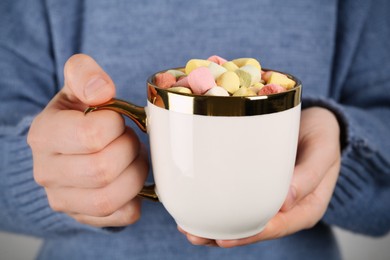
[{"x": 217, "y": 91}]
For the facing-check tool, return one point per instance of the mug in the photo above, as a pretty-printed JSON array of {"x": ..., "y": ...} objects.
[{"x": 222, "y": 165}]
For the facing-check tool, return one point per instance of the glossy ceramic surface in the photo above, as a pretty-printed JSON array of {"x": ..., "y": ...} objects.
[{"x": 222, "y": 177}]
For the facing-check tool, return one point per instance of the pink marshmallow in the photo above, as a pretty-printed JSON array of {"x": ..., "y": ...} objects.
[
  {"x": 201, "y": 80},
  {"x": 271, "y": 89},
  {"x": 217, "y": 59},
  {"x": 182, "y": 82}
]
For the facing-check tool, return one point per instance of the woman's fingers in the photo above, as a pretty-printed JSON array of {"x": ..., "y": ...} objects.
[
  {"x": 197, "y": 241},
  {"x": 318, "y": 150},
  {"x": 104, "y": 201},
  {"x": 91, "y": 167},
  {"x": 94, "y": 170},
  {"x": 72, "y": 132},
  {"x": 126, "y": 215}
]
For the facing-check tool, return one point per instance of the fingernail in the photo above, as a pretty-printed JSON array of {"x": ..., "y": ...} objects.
[{"x": 94, "y": 87}]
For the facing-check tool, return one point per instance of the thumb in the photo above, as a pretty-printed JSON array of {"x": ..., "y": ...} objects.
[{"x": 86, "y": 81}]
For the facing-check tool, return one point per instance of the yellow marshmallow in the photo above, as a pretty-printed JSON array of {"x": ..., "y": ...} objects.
[
  {"x": 195, "y": 63},
  {"x": 230, "y": 66},
  {"x": 244, "y": 92},
  {"x": 281, "y": 79},
  {"x": 229, "y": 81},
  {"x": 181, "y": 90},
  {"x": 247, "y": 61},
  {"x": 256, "y": 87}
]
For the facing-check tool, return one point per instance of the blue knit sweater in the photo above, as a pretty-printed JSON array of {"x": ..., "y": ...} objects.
[{"x": 339, "y": 49}]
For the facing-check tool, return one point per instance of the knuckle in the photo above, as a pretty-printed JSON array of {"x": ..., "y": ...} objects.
[
  {"x": 316, "y": 175},
  {"x": 131, "y": 215},
  {"x": 97, "y": 171},
  {"x": 89, "y": 136},
  {"x": 55, "y": 204},
  {"x": 40, "y": 178},
  {"x": 193, "y": 240},
  {"x": 102, "y": 204},
  {"x": 312, "y": 179},
  {"x": 33, "y": 137},
  {"x": 310, "y": 223},
  {"x": 135, "y": 217},
  {"x": 279, "y": 227},
  {"x": 280, "y": 232}
]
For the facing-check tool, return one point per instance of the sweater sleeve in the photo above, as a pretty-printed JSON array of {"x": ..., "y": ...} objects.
[
  {"x": 361, "y": 200},
  {"x": 28, "y": 81}
]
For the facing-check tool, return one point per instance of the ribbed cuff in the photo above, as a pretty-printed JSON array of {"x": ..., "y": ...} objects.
[{"x": 360, "y": 201}]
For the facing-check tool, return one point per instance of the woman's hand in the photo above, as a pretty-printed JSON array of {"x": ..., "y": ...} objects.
[
  {"x": 315, "y": 174},
  {"x": 91, "y": 166}
]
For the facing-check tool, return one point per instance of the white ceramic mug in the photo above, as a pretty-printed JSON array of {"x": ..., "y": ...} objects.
[{"x": 222, "y": 165}]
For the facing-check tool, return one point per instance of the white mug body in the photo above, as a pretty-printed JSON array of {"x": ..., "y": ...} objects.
[{"x": 222, "y": 177}]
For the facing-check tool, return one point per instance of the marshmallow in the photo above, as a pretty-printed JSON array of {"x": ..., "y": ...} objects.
[
  {"x": 244, "y": 92},
  {"x": 229, "y": 81},
  {"x": 182, "y": 82},
  {"x": 176, "y": 73},
  {"x": 253, "y": 71},
  {"x": 216, "y": 70},
  {"x": 181, "y": 90},
  {"x": 256, "y": 87},
  {"x": 217, "y": 59},
  {"x": 265, "y": 75},
  {"x": 164, "y": 80},
  {"x": 271, "y": 89},
  {"x": 245, "y": 78},
  {"x": 195, "y": 63},
  {"x": 218, "y": 77},
  {"x": 247, "y": 61},
  {"x": 201, "y": 80},
  {"x": 230, "y": 66},
  {"x": 217, "y": 91},
  {"x": 281, "y": 79}
]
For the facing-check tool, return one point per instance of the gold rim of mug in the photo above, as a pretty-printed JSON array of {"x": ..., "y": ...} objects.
[{"x": 224, "y": 106}]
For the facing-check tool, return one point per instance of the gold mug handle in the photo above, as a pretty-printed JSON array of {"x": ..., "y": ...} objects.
[{"x": 138, "y": 115}]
